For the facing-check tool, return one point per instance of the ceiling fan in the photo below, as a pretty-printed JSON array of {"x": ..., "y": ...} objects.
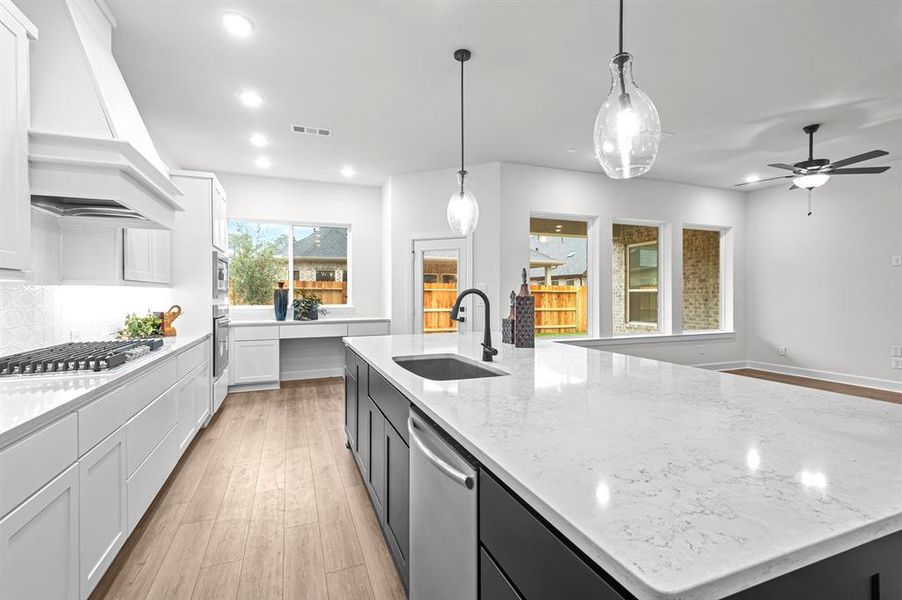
[{"x": 815, "y": 172}]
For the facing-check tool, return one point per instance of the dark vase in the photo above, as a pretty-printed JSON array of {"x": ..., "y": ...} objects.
[
  {"x": 313, "y": 313},
  {"x": 280, "y": 303}
]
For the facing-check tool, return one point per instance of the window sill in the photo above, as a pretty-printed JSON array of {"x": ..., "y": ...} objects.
[{"x": 649, "y": 338}]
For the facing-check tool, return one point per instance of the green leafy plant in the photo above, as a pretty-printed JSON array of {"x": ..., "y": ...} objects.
[
  {"x": 140, "y": 327},
  {"x": 307, "y": 304},
  {"x": 255, "y": 266}
]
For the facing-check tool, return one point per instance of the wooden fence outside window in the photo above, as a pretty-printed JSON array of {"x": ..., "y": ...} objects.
[{"x": 560, "y": 309}]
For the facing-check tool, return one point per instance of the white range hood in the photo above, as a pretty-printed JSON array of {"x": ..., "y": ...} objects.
[{"x": 91, "y": 157}]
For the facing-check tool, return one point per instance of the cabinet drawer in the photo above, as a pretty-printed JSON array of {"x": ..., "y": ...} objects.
[
  {"x": 147, "y": 480},
  {"x": 255, "y": 332},
  {"x": 37, "y": 459},
  {"x": 150, "y": 426},
  {"x": 149, "y": 387},
  {"x": 313, "y": 330},
  {"x": 393, "y": 404},
  {"x": 101, "y": 418},
  {"x": 355, "y": 365},
  {"x": 189, "y": 359},
  {"x": 493, "y": 585},
  {"x": 536, "y": 561},
  {"x": 377, "y": 328}
]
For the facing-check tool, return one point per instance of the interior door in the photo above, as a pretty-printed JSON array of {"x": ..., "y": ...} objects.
[{"x": 439, "y": 275}]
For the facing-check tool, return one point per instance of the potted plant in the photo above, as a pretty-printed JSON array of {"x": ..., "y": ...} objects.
[
  {"x": 136, "y": 327},
  {"x": 308, "y": 308}
]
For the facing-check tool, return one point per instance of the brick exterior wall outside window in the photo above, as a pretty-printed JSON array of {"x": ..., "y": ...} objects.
[
  {"x": 624, "y": 235},
  {"x": 701, "y": 280}
]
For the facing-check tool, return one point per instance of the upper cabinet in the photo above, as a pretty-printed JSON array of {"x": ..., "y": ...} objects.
[
  {"x": 220, "y": 221},
  {"x": 147, "y": 255},
  {"x": 15, "y": 198}
]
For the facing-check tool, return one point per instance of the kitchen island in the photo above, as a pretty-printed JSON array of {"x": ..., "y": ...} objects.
[{"x": 671, "y": 481}]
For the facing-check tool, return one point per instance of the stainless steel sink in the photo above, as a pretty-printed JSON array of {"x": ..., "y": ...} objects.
[{"x": 446, "y": 367}]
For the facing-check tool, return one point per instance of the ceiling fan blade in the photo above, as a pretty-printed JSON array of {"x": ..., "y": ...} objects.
[
  {"x": 784, "y": 166},
  {"x": 763, "y": 180},
  {"x": 858, "y": 171},
  {"x": 861, "y": 157}
]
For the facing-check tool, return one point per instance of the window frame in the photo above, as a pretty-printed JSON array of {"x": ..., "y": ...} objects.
[
  {"x": 725, "y": 274},
  {"x": 291, "y": 224},
  {"x": 628, "y": 291}
]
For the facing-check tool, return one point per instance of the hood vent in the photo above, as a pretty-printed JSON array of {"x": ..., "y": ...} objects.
[
  {"x": 305, "y": 129},
  {"x": 90, "y": 154}
]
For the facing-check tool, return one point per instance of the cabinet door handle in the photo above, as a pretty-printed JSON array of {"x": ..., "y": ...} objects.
[{"x": 458, "y": 476}]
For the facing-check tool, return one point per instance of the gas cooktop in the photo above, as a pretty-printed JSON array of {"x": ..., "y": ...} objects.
[{"x": 77, "y": 357}]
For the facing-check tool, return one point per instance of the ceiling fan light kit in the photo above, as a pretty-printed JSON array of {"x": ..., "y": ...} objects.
[
  {"x": 628, "y": 128},
  {"x": 463, "y": 210}
]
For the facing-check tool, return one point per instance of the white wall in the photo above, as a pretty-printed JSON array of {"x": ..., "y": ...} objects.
[
  {"x": 418, "y": 203},
  {"x": 823, "y": 286},
  {"x": 360, "y": 207}
]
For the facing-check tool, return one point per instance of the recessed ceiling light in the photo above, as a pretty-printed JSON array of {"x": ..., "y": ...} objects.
[
  {"x": 347, "y": 172},
  {"x": 752, "y": 178},
  {"x": 259, "y": 140},
  {"x": 263, "y": 162},
  {"x": 237, "y": 25},
  {"x": 250, "y": 98}
]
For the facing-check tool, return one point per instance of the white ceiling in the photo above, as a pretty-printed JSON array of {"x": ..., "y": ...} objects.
[{"x": 734, "y": 82}]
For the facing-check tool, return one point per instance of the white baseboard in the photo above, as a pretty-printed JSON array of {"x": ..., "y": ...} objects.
[
  {"x": 860, "y": 380},
  {"x": 311, "y": 374},
  {"x": 253, "y": 387},
  {"x": 723, "y": 366}
]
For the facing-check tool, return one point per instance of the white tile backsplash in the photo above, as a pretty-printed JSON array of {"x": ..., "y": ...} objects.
[
  {"x": 26, "y": 317},
  {"x": 32, "y": 316}
]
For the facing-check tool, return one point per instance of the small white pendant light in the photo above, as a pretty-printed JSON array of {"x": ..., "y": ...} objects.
[
  {"x": 627, "y": 128},
  {"x": 463, "y": 210}
]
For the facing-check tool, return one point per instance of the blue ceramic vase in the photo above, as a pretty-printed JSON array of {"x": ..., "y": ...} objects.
[{"x": 280, "y": 302}]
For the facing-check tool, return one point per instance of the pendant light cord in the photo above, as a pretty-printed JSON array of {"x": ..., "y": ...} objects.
[
  {"x": 620, "y": 53},
  {"x": 621, "y": 27},
  {"x": 462, "y": 123}
]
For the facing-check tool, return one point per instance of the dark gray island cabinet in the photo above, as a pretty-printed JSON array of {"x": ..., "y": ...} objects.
[{"x": 523, "y": 557}]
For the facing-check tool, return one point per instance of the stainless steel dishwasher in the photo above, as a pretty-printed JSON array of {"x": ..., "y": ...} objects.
[{"x": 443, "y": 505}]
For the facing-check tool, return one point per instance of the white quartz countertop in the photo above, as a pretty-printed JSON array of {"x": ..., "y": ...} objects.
[
  {"x": 679, "y": 482},
  {"x": 238, "y": 322},
  {"x": 29, "y": 402}
]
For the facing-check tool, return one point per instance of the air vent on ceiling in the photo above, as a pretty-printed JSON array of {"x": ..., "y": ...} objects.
[{"x": 312, "y": 130}]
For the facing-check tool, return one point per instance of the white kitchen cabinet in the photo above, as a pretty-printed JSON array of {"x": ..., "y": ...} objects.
[
  {"x": 219, "y": 218},
  {"x": 202, "y": 395},
  {"x": 15, "y": 198},
  {"x": 103, "y": 514},
  {"x": 147, "y": 255},
  {"x": 39, "y": 543},
  {"x": 254, "y": 361},
  {"x": 187, "y": 425}
]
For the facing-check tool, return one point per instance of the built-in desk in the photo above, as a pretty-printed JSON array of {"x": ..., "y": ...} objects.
[{"x": 264, "y": 352}]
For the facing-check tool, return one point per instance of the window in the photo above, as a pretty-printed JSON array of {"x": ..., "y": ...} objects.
[
  {"x": 642, "y": 283},
  {"x": 261, "y": 255},
  {"x": 701, "y": 280},
  {"x": 635, "y": 269},
  {"x": 259, "y": 261},
  {"x": 559, "y": 275}
]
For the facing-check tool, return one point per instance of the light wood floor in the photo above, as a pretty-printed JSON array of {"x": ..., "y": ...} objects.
[
  {"x": 830, "y": 386},
  {"x": 266, "y": 503}
]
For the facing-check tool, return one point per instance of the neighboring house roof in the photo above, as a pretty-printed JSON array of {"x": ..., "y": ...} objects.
[
  {"x": 569, "y": 253},
  {"x": 333, "y": 243},
  {"x": 537, "y": 258}
]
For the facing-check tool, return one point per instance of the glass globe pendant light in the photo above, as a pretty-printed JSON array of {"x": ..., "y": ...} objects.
[
  {"x": 463, "y": 210},
  {"x": 627, "y": 128}
]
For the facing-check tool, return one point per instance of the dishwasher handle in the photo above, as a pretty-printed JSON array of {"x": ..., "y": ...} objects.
[{"x": 461, "y": 478}]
